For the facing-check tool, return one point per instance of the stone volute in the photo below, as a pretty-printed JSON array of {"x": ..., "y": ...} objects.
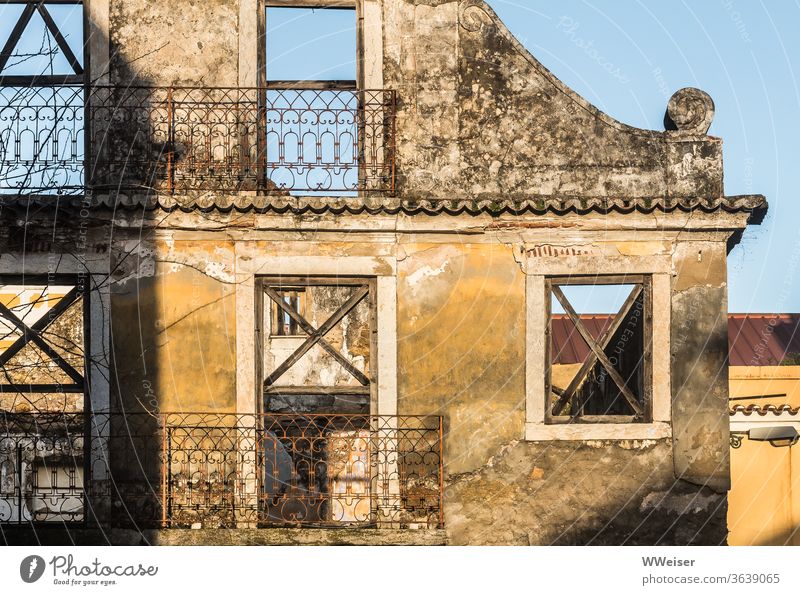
[{"x": 689, "y": 110}]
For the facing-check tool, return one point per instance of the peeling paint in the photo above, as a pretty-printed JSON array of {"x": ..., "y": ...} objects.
[{"x": 425, "y": 272}]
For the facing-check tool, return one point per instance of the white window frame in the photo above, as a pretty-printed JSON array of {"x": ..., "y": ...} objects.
[
  {"x": 250, "y": 264},
  {"x": 537, "y": 270}
]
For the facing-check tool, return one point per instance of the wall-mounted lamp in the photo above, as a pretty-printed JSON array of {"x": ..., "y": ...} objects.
[{"x": 776, "y": 435}]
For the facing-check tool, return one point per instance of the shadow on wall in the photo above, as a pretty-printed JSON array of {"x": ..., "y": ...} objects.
[
  {"x": 790, "y": 536},
  {"x": 177, "y": 444},
  {"x": 117, "y": 452}
]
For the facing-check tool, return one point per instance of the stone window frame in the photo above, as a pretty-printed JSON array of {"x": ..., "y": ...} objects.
[
  {"x": 250, "y": 265},
  {"x": 538, "y": 269},
  {"x": 369, "y": 38}
]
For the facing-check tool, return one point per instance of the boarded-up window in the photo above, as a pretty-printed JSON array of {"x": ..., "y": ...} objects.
[
  {"x": 42, "y": 383},
  {"x": 598, "y": 349},
  {"x": 317, "y": 348},
  {"x": 41, "y": 347}
]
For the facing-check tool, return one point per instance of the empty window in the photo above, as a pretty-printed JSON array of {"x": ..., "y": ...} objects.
[
  {"x": 42, "y": 39},
  {"x": 317, "y": 139},
  {"x": 598, "y": 350},
  {"x": 41, "y": 97},
  {"x": 311, "y": 44},
  {"x": 283, "y": 323}
]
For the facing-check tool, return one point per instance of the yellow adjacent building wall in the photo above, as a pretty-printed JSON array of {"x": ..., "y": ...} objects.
[{"x": 764, "y": 501}]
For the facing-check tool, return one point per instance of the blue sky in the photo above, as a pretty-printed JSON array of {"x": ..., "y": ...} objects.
[{"x": 627, "y": 57}]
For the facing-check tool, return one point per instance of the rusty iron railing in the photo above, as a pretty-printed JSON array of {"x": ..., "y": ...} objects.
[
  {"x": 174, "y": 140},
  {"x": 222, "y": 470}
]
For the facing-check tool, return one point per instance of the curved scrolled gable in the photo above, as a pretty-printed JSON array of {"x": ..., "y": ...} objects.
[{"x": 488, "y": 121}]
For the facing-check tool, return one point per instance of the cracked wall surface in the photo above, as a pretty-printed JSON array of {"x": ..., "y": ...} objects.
[
  {"x": 461, "y": 345},
  {"x": 181, "y": 42},
  {"x": 173, "y": 327},
  {"x": 461, "y": 352},
  {"x": 700, "y": 364},
  {"x": 479, "y": 118},
  {"x": 581, "y": 493}
]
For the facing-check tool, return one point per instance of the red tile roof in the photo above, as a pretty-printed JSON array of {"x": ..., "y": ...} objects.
[
  {"x": 762, "y": 410},
  {"x": 763, "y": 339},
  {"x": 753, "y": 339},
  {"x": 568, "y": 346}
]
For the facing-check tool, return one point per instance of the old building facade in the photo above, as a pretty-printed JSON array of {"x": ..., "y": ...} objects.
[{"x": 249, "y": 310}]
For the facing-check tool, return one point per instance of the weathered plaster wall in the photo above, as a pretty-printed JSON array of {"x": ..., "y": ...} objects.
[
  {"x": 699, "y": 347},
  {"x": 479, "y": 117},
  {"x": 579, "y": 493},
  {"x": 461, "y": 345},
  {"x": 180, "y": 42},
  {"x": 173, "y": 326},
  {"x": 461, "y": 354}
]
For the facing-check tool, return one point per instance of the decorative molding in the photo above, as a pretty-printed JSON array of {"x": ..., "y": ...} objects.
[
  {"x": 552, "y": 251},
  {"x": 473, "y": 16},
  {"x": 391, "y": 205}
]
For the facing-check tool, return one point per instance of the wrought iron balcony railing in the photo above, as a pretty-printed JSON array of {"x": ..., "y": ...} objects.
[
  {"x": 65, "y": 139},
  {"x": 218, "y": 470}
]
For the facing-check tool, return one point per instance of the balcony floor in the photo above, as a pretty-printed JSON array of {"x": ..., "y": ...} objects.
[{"x": 61, "y": 535}]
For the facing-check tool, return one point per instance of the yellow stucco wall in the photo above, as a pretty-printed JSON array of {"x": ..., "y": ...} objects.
[
  {"x": 461, "y": 354},
  {"x": 461, "y": 345},
  {"x": 174, "y": 336},
  {"x": 749, "y": 381},
  {"x": 764, "y": 501}
]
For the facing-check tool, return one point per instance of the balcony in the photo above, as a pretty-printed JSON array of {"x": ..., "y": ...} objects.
[
  {"x": 219, "y": 470},
  {"x": 179, "y": 140}
]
